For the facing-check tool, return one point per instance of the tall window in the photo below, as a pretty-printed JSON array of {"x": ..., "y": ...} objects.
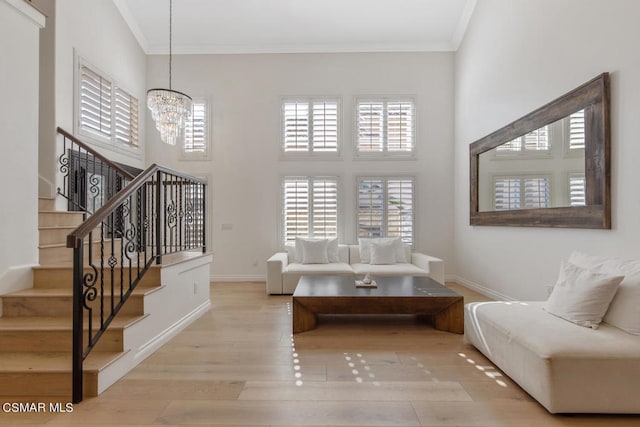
[
  {"x": 310, "y": 126},
  {"x": 521, "y": 192},
  {"x": 385, "y": 207},
  {"x": 105, "y": 111},
  {"x": 309, "y": 207},
  {"x": 385, "y": 126},
  {"x": 196, "y": 141}
]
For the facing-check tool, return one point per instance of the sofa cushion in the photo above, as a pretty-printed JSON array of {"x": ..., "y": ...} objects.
[
  {"x": 582, "y": 296},
  {"x": 401, "y": 268},
  {"x": 383, "y": 252},
  {"x": 330, "y": 268},
  {"x": 356, "y": 252},
  {"x": 315, "y": 251}
]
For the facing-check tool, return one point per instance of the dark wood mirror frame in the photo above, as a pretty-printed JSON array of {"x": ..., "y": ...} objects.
[{"x": 593, "y": 96}]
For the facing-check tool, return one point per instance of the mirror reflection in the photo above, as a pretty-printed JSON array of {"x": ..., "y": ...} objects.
[{"x": 544, "y": 168}]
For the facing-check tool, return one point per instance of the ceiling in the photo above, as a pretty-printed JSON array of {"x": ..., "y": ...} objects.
[{"x": 293, "y": 26}]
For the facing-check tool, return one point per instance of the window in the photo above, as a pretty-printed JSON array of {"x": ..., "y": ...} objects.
[
  {"x": 196, "y": 131},
  {"x": 310, "y": 126},
  {"x": 519, "y": 192},
  {"x": 309, "y": 207},
  {"x": 385, "y": 207},
  {"x": 385, "y": 126},
  {"x": 105, "y": 111}
]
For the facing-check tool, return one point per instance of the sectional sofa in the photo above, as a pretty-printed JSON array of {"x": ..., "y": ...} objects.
[{"x": 283, "y": 272}]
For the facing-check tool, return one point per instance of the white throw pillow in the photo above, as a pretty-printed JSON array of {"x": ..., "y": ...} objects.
[
  {"x": 582, "y": 296},
  {"x": 365, "y": 248},
  {"x": 315, "y": 251},
  {"x": 383, "y": 252}
]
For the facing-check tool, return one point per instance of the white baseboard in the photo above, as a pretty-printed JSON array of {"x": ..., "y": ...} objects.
[
  {"x": 490, "y": 293},
  {"x": 232, "y": 278},
  {"x": 162, "y": 338}
]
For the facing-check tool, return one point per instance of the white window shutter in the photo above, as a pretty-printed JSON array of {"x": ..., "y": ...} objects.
[
  {"x": 95, "y": 103},
  {"x": 577, "y": 190},
  {"x": 296, "y": 208},
  {"x": 296, "y": 126},
  {"x": 324, "y": 221},
  {"x": 576, "y": 131},
  {"x": 325, "y": 126},
  {"x": 400, "y": 126},
  {"x": 126, "y": 118},
  {"x": 371, "y": 208},
  {"x": 385, "y": 208},
  {"x": 195, "y": 133},
  {"x": 370, "y": 126},
  {"x": 536, "y": 193},
  {"x": 507, "y": 193},
  {"x": 400, "y": 209}
]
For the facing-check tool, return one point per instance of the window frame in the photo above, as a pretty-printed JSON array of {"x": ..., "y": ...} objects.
[
  {"x": 522, "y": 177},
  {"x": 112, "y": 141},
  {"x": 385, "y": 154},
  {"x": 310, "y": 178},
  {"x": 385, "y": 226},
  {"x": 196, "y": 156},
  {"x": 310, "y": 154}
]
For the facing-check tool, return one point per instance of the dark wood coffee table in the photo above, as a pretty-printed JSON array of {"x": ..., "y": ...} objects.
[{"x": 316, "y": 295}]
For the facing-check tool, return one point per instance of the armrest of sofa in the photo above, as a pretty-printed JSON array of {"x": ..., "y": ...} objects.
[
  {"x": 275, "y": 266},
  {"x": 434, "y": 266}
]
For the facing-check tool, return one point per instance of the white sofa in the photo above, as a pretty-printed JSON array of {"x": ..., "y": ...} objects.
[
  {"x": 283, "y": 274},
  {"x": 566, "y": 367}
]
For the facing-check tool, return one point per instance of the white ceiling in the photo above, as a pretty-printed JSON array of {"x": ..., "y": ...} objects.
[{"x": 279, "y": 26}]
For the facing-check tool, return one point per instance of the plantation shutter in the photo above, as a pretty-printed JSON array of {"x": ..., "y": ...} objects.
[
  {"x": 370, "y": 126},
  {"x": 400, "y": 126},
  {"x": 296, "y": 126},
  {"x": 324, "y": 220},
  {"x": 325, "y": 126},
  {"x": 371, "y": 203},
  {"x": 195, "y": 133},
  {"x": 95, "y": 103},
  {"x": 400, "y": 209},
  {"x": 536, "y": 193},
  {"x": 576, "y": 131},
  {"x": 385, "y": 125},
  {"x": 538, "y": 140},
  {"x": 126, "y": 115},
  {"x": 577, "y": 190},
  {"x": 385, "y": 208},
  {"x": 507, "y": 193},
  {"x": 310, "y": 207}
]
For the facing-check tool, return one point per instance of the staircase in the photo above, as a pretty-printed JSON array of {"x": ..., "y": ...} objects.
[{"x": 36, "y": 324}]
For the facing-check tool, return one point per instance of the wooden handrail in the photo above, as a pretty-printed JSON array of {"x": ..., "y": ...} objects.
[
  {"x": 94, "y": 153},
  {"x": 76, "y": 237}
]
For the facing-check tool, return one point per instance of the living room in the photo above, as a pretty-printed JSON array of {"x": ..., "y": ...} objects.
[{"x": 514, "y": 57}]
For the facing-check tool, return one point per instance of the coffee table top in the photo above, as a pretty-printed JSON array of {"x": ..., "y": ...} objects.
[{"x": 388, "y": 286}]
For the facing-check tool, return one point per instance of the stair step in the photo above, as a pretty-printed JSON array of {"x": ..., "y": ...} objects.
[
  {"x": 51, "y": 334},
  {"x": 49, "y": 373},
  {"x": 56, "y": 218},
  {"x": 45, "y": 204},
  {"x": 61, "y": 276},
  {"x": 59, "y": 302},
  {"x": 61, "y": 254}
]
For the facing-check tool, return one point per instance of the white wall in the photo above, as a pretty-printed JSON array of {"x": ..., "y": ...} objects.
[
  {"x": 19, "y": 136},
  {"x": 516, "y": 56},
  {"x": 96, "y": 31},
  {"x": 245, "y": 170}
]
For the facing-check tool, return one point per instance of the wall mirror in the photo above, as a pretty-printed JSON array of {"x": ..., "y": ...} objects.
[{"x": 549, "y": 168}]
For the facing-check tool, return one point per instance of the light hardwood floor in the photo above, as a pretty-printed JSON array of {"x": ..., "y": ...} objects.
[{"x": 240, "y": 365}]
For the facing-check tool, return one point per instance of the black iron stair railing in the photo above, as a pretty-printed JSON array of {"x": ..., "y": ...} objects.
[
  {"x": 159, "y": 212},
  {"x": 89, "y": 179}
]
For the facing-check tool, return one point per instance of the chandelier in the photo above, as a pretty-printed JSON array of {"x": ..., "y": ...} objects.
[{"x": 169, "y": 108}]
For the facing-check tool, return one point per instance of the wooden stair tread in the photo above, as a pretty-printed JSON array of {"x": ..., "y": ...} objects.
[
  {"x": 70, "y": 266},
  {"x": 36, "y": 323},
  {"x": 62, "y": 292},
  {"x": 30, "y": 362},
  {"x": 64, "y": 245}
]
